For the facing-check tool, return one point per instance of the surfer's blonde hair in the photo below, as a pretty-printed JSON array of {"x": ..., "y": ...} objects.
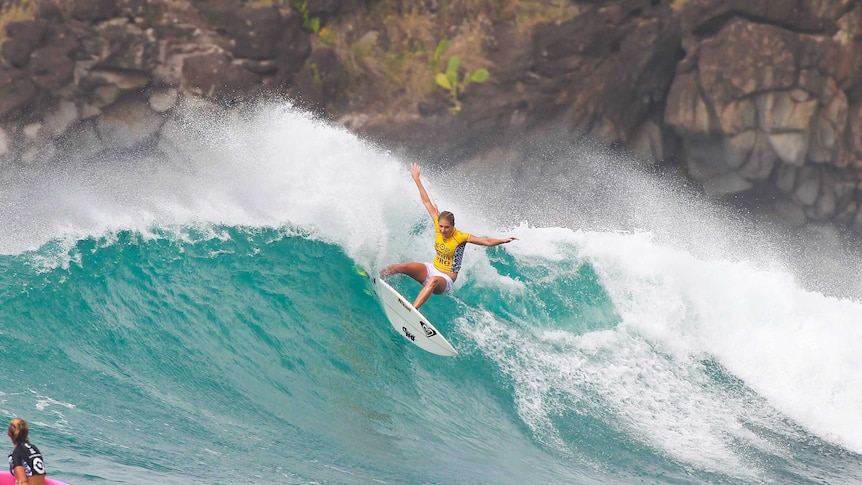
[
  {"x": 18, "y": 430},
  {"x": 448, "y": 216}
]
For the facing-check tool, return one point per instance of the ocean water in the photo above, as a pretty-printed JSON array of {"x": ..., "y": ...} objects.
[{"x": 202, "y": 317}]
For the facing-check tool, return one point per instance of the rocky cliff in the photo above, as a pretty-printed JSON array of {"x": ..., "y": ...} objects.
[{"x": 756, "y": 100}]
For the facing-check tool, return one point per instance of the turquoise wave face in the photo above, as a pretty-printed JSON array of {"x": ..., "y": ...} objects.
[
  {"x": 237, "y": 355},
  {"x": 234, "y": 355}
]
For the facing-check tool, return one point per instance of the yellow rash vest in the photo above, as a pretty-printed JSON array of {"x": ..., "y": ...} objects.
[{"x": 449, "y": 251}]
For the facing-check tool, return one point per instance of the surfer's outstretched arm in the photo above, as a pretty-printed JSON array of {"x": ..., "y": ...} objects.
[
  {"x": 489, "y": 241},
  {"x": 426, "y": 200}
]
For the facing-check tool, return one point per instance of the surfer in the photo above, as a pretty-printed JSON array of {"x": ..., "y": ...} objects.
[
  {"x": 25, "y": 461},
  {"x": 438, "y": 277}
]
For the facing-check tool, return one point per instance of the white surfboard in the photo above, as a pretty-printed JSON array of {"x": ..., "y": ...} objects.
[{"x": 407, "y": 320}]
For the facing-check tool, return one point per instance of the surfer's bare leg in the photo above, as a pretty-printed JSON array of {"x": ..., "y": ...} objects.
[
  {"x": 436, "y": 285},
  {"x": 416, "y": 271}
]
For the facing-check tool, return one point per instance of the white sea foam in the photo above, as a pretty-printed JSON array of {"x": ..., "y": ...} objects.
[{"x": 796, "y": 349}]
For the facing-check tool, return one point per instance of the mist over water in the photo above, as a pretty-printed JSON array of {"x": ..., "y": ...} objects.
[{"x": 633, "y": 333}]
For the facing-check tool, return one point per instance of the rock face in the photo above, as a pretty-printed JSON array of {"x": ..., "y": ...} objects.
[
  {"x": 765, "y": 107},
  {"x": 111, "y": 71},
  {"x": 758, "y": 100}
]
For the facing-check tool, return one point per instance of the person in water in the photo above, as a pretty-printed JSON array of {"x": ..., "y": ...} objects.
[
  {"x": 449, "y": 243},
  {"x": 25, "y": 461}
]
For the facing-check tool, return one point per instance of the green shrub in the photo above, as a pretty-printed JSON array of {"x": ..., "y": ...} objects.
[
  {"x": 449, "y": 79},
  {"x": 311, "y": 24}
]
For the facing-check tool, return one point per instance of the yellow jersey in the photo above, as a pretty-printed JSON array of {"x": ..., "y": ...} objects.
[{"x": 449, "y": 251}]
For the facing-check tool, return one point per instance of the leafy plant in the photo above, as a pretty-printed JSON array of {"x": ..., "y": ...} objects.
[
  {"x": 327, "y": 37},
  {"x": 309, "y": 23},
  {"x": 12, "y": 11},
  {"x": 449, "y": 79}
]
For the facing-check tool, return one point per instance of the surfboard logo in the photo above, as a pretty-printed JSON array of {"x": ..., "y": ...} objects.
[
  {"x": 405, "y": 305},
  {"x": 429, "y": 332},
  {"x": 408, "y": 334}
]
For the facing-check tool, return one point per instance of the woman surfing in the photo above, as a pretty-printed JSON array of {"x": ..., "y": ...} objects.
[{"x": 438, "y": 276}]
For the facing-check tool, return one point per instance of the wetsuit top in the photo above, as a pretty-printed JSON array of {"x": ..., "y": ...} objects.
[
  {"x": 28, "y": 456},
  {"x": 449, "y": 251}
]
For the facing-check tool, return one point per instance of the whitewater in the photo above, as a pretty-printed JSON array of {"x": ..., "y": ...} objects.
[{"x": 199, "y": 314}]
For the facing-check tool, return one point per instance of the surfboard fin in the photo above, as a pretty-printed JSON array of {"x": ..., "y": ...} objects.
[{"x": 360, "y": 271}]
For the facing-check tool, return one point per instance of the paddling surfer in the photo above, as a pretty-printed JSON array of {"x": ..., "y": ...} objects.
[{"x": 437, "y": 277}]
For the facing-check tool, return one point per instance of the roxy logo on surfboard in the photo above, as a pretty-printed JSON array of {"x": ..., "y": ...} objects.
[{"x": 429, "y": 332}]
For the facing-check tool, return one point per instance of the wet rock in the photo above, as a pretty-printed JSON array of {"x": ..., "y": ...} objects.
[
  {"x": 293, "y": 49},
  {"x": 213, "y": 75},
  {"x": 94, "y": 10},
  {"x": 808, "y": 185},
  {"x": 163, "y": 100},
  {"x": 127, "y": 124},
  {"x": 256, "y": 32},
  {"x": 17, "y": 91},
  {"x": 60, "y": 119},
  {"x": 630, "y": 48},
  {"x": 5, "y": 143},
  {"x": 51, "y": 68},
  {"x": 318, "y": 83},
  {"x": 22, "y": 38},
  {"x": 127, "y": 47}
]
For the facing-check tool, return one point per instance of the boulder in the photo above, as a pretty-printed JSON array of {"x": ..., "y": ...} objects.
[
  {"x": 293, "y": 49},
  {"x": 51, "y": 68},
  {"x": 256, "y": 32},
  {"x": 163, "y": 100},
  {"x": 614, "y": 64},
  {"x": 93, "y": 10},
  {"x": 213, "y": 75},
  {"x": 22, "y": 38},
  {"x": 761, "y": 159},
  {"x": 729, "y": 69},
  {"x": 317, "y": 8},
  {"x": 83, "y": 143},
  {"x": 128, "y": 123},
  {"x": 808, "y": 185},
  {"x": 60, "y": 119},
  {"x": 220, "y": 13},
  {"x": 772, "y": 108},
  {"x": 5, "y": 143},
  {"x": 318, "y": 83},
  {"x": 703, "y": 17},
  {"x": 17, "y": 91},
  {"x": 127, "y": 47},
  {"x": 687, "y": 112}
]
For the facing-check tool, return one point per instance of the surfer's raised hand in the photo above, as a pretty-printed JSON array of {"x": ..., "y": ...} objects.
[{"x": 423, "y": 194}]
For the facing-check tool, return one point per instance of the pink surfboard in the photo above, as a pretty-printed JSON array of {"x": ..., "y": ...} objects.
[{"x": 7, "y": 478}]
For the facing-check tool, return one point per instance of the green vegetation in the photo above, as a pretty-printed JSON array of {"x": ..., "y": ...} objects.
[
  {"x": 386, "y": 49},
  {"x": 14, "y": 11},
  {"x": 677, "y": 4},
  {"x": 311, "y": 24},
  {"x": 449, "y": 79}
]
